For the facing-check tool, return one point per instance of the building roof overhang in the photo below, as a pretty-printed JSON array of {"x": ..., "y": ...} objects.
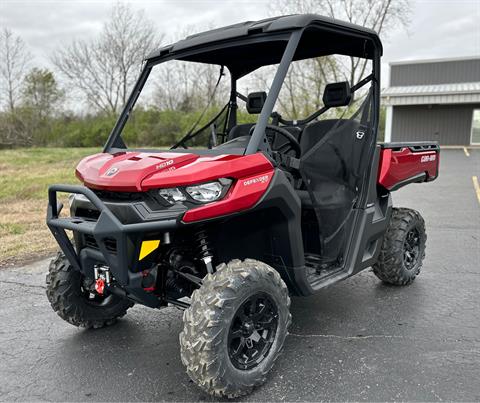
[{"x": 457, "y": 93}]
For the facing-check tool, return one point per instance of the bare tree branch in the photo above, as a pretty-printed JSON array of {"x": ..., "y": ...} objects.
[
  {"x": 186, "y": 85},
  {"x": 14, "y": 59},
  {"x": 105, "y": 69},
  {"x": 379, "y": 15}
]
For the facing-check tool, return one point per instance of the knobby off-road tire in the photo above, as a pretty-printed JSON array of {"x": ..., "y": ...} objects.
[
  {"x": 400, "y": 261},
  {"x": 204, "y": 341},
  {"x": 64, "y": 291}
]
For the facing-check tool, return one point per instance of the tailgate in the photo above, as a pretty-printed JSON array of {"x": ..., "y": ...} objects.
[{"x": 404, "y": 163}]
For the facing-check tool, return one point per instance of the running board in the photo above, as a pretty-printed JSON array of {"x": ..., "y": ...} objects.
[{"x": 318, "y": 270}]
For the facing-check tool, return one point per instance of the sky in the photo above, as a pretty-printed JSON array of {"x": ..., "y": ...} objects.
[{"x": 438, "y": 29}]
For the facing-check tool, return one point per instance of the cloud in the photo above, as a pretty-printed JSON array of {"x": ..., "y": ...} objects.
[
  {"x": 439, "y": 28},
  {"x": 47, "y": 24}
]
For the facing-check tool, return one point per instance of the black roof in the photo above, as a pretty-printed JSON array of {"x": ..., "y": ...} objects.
[{"x": 248, "y": 45}]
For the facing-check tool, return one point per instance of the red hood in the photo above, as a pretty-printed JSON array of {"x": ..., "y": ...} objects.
[{"x": 141, "y": 171}]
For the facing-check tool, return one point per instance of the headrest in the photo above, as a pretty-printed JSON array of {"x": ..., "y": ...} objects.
[
  {"x": 337, "y": 94},
  {"x": 255, "y": 101}
]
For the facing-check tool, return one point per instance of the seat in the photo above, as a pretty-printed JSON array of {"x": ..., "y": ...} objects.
[
  {"x": 239, "y": 131},
  {"x": 314, "y": 132}
]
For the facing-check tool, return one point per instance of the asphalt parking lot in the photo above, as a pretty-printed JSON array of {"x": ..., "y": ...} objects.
[{"x": 358, "y": 340}]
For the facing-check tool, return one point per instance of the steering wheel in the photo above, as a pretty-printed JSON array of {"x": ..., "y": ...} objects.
[{"x": 291, "y": 145}]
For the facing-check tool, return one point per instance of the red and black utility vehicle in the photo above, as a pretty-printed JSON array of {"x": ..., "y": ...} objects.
[{"x": 235, "y": 217}]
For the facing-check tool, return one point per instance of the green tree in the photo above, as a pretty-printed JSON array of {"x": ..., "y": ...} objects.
[
  {"x": 41, "y": 100},
  {"x": 41, "y": 93}
]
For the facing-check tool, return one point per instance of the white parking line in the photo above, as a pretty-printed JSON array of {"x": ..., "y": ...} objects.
[
  {"x": 465, "y": 150},
  {"x": 476, "y": 186}
]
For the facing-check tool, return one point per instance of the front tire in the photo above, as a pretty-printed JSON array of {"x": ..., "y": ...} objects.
[
  {"x": 70, "y": 299},
  {"x": 403, "y": 248},
  {"x": 235, "y": 328}
]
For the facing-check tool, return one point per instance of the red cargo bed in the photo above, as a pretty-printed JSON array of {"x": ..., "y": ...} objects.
[{"x": 404, "y": 163}]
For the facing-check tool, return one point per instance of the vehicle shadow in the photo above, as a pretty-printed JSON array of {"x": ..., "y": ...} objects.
[{"x": 360, "y": 305}]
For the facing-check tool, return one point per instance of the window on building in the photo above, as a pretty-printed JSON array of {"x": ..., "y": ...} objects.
[{"x": 476, "y": 127}]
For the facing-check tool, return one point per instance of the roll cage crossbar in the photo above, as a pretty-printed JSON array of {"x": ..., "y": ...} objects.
[{"x": 300, "y": 34}]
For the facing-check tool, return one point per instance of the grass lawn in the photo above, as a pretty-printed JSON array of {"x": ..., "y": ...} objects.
[{"x": 25, "y": 175}]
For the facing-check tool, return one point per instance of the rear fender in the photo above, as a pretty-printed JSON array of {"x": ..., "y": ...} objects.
[{"x": 404, "y": 163}]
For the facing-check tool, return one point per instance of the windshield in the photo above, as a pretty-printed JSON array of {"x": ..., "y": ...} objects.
[
  {"x": 178, "y": 99},
  {"x": 179, "y": 104}
]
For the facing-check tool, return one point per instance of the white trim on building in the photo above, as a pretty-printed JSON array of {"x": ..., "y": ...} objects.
[
  {"x": 457, "y": 93},
  {"x": 439, "y": 60}
]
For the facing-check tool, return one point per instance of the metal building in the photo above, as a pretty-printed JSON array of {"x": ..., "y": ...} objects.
[{"x": 434, "y": 100}]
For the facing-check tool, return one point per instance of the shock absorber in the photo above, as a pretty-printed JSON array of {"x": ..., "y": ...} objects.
[{"x": 204, "y": 250}]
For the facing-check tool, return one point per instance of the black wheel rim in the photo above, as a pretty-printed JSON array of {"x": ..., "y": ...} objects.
[
  {"x": 253, "y": 331},
  {"x": 411, "y": 249}
]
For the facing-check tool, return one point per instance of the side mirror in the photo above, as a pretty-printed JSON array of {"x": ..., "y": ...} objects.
[
  {"x": 255, "y": 101},
  {"x": 337, "y": 94}
]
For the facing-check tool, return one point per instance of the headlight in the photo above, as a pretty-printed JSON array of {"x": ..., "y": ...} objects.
[
  {"x": 172, "y": 195},
  {"x": 206, "y": 192},
  {"x": 202, "y": 193}
]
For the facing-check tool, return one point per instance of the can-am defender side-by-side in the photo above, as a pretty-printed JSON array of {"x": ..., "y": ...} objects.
[{"x": 234, "y": 218}]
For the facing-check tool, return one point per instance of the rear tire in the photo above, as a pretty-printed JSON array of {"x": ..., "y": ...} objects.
[
  {"x": 403, "y": 248},
  {"x": 68, "y": 299},
  {"x": 240, "y": 311}
]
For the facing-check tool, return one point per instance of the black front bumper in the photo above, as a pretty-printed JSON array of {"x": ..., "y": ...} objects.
[{"x": 104, "y": 229}]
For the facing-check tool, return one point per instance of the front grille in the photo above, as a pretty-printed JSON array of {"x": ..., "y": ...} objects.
[
  {"x": 110, "y": 243},
  {"x": 120, "y": 196}
]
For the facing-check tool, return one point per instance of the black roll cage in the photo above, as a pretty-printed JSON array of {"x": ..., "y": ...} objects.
[{"x": 292, "y": 39}]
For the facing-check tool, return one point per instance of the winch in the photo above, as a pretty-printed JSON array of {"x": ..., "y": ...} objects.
[{"x": 102, "y": 278}]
